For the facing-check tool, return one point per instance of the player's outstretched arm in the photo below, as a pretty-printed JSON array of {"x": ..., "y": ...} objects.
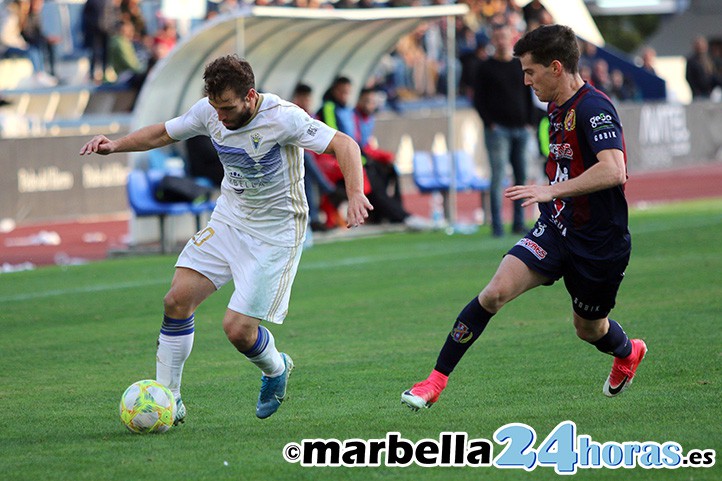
[
  {"x": 146, "y": 138},
  {"x": 608, "y": 172},
  {"x": 348, "y": 155}
]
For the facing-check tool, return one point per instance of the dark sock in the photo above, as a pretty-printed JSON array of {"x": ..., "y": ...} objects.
[
  {"x": 468, "y": 327},
  {"x": 614, "y": 342}
]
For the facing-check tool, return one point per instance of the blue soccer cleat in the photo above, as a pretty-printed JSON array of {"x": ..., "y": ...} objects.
[
  {"x": 273, "y": 390},
  {"x": 180, "y": 412}
]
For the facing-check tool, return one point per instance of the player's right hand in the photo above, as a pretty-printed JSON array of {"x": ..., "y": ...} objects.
[
  {"x": 358, "y": 210},
  {"x": 100, "y": 144}
]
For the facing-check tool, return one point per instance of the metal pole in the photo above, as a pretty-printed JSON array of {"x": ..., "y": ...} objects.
[
  {"x": 451, "y": 110},
  {"x": 240, "y": 37}
]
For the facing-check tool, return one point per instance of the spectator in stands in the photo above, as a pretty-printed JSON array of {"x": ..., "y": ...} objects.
[
  {"x": 588, "y": 52},
  {"x": 379, "y": 167},
  {"x": 585, "y": 72},
  {"x": 505, "y": 106},
  {"x": 122, "y": 55},
  {"x": 600, "y": 76},
  {"x": 32, "y": 31},
  {"x": 315, "y": 181},
  {"x": 335, "y": 111},
  {"x": 470, "y": 61},
  {"x": 164, "y": 38},
  {"x": 490, "y": 8},
  {"x": 647, "y": 58},
  {"x": 535, "y": 14},
  {"x": 622, "y": 88},
  {"x": 416, "y": 75},
  {"x": 98, "y": 23},
  {"x": 13, "y": 45},
  {"x": 130, "y": 10},
  {"x": 700, "y": 72}
]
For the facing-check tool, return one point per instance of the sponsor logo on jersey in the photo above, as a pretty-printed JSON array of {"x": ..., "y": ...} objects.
[
  {"x": 561, "y": 151},
  {"x": 605, "y": 135},
  {"x": 601, "y": 121},
  {"x": 585, "y": 307},
  {"x": 312, "y": 130},
  {"x": 461, "y": 333},
  {"x": 570, "y": 121},
  {"x": 532, "y": 247}
]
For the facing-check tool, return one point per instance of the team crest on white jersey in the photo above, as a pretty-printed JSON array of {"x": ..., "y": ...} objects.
[{"x": 256, "y": 140}]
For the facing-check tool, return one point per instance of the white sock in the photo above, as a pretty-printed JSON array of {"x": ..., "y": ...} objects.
[
  {"x": 265, "y": 355},
  {"x": 174, "y": 346}
]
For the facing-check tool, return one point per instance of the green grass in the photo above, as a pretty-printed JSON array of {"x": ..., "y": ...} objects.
[{"x": 367, "y": 319}]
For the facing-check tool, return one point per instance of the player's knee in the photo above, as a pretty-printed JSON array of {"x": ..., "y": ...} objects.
[
  {"x": 589, "y": 330},
  {"x": 241, "y": 335},
  {"x": 176, "y": 306},
  {"x": 493, "y": 298}
]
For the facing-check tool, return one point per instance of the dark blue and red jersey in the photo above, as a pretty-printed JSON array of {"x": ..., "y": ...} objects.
[{"x": 594, "y": 225}]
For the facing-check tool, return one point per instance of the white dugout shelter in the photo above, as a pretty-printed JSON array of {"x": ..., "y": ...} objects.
[{"x": 284, "y": 46}]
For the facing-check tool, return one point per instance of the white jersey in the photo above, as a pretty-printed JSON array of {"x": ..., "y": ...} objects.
[{"x": 263, "y": 191}]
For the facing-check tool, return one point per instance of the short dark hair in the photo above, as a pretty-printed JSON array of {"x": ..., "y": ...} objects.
[
  {"x": 302, "y": 89},
  {"x": 340, "y": 80},
  {"x": 229, "y": 72},
  {"x": 548, "y": 43}
]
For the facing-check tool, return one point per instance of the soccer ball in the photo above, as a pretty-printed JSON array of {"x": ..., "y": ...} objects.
[{"x": 147, "y": 407}]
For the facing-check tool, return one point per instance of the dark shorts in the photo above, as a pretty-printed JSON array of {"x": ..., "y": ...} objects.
[{"x": 592, "y": 284}]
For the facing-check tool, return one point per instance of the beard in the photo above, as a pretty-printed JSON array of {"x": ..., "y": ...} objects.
[{"x": 239, "y": 121}]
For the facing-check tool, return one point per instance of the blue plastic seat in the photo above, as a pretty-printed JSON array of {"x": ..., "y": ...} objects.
[
  {"x": 466, "y": 176},
  {"x": 141, "y": 188},
  {"x": 424, "y": 173}
]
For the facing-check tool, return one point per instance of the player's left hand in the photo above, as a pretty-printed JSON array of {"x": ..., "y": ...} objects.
[
  {"x": 531, "y": 193},
  {"x": 358, "y": 210}
]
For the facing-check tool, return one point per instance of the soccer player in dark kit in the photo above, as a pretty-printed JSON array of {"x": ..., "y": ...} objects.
[{"x": 581, "y": 235}]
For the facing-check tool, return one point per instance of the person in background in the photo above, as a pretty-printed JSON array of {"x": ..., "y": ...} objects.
[
  {"x": 647, "y": 59},
  {"x": 337, "y": 114},
  {"x": 14, "y": 26},
  {"x": 700, "y": 70},
  {"x": 316, "y": 181},
  {"x": 99, "y": 20},
  {"x": 504, "y": 104},
  {"x": 36, "y": 37},
  {"x": 380, "y": 170},
  {"x": 122, "y": 55}
]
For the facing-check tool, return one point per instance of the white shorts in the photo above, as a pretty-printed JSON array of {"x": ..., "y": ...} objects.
[{"x": 262, "y": 273}]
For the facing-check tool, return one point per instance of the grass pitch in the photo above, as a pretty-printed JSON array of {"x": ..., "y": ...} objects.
[{"x": 367, "y": 319}]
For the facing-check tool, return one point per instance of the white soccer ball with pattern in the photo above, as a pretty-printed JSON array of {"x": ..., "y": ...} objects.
[{"x": 147, "y": 407}]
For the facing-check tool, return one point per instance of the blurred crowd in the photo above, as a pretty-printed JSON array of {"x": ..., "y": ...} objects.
[{"x": 121, "y": 47}]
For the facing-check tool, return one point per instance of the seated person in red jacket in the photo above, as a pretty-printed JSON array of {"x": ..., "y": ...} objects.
[{"x": 380, "y": 169}]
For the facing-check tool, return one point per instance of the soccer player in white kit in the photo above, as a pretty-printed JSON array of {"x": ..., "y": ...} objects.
[{"x": 256, "y": 231}]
